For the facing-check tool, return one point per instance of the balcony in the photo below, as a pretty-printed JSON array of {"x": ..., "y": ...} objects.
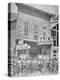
[{"x": 44, "y": 41}]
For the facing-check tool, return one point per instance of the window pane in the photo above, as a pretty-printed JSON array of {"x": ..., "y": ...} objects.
[
  {"x": 35, "y": 29},
  {"x": 54, "y": 42},
  {"x": 26, "y": 28},
  {"x": 35, "y": 37},
  {"x": 13, "y": 25},
  {"x": 44, "y": 34}
]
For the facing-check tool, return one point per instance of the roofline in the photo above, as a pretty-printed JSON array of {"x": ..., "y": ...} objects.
[{"x": 37, "y": 11}]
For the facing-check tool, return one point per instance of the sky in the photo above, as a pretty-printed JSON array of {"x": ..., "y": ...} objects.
[{"x": 48, "y": 8}]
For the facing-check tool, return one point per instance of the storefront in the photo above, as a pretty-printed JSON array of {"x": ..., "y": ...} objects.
[
  {"x": 44, "y": 51},
  {"x": 32, "y": 49}
]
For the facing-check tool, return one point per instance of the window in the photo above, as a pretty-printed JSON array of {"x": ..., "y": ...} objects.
[
  {"x": 54, "y": 42},
  {"x": 35, "y": 32},
  {"x": 44, "y": 52},
  {"x": 25, "y": 28},
  {"x": 44, "y": 34},
  {"x": 13, "y": 25},
  {"x": 35, "y": 37},
  {"x": 35, "y": 29}
]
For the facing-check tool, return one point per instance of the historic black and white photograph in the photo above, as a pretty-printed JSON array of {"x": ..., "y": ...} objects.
[{"x": 33, "y": 39}]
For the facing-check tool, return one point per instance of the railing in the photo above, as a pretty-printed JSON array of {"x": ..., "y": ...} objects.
[{"x": 45, "y": 41}]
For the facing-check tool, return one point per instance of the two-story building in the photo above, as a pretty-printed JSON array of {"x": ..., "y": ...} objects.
[{"x": 34, "y": 31}]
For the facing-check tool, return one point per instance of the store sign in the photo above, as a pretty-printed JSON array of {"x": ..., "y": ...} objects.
[
  {"x": 20, "y": 42},
  {"x": 18, "y": 47},
  {"x": 24, "y": 46}
]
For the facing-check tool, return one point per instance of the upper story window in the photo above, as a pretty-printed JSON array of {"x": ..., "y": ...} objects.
[
  {"x": 35, "y": 32},
  {"x": 35, "y": 37},
  {"x": 44, "y": 34},
  {"x": 35, "y": 29},
  {"x": 26, "y": 28},
  {"x": 13, "y": 25}
]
